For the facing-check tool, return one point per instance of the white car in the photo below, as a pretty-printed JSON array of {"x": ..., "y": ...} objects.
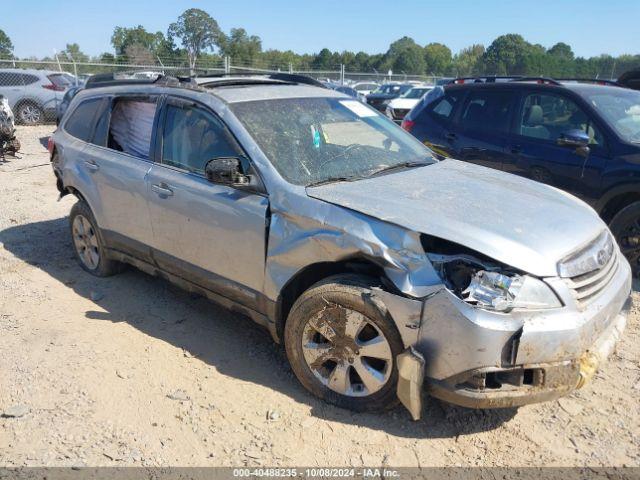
[
  {"x": 399, "y": 107},
  {"x": 364, "y": 88}
]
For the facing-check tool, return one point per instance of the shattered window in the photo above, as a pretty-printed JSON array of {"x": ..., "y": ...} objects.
[{"x": 311, "y": 140}]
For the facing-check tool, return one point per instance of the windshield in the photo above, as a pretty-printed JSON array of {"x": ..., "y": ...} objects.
[
  {"x": 621, "y": 108},
  {"x": 415, "y": 93},
  {"x": 314, "y": 140},
  {"x": 365, "y": 87}
]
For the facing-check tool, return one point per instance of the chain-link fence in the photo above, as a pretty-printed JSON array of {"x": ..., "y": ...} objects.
[{"x": 36, "y": 88}]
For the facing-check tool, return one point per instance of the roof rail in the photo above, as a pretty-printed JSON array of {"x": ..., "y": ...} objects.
[
  {"x": 484, "y": 79},
  {"x": 278, "y": 76},
  {"x": 113, "y": 79},
  {"x": 540, "y": 80},
  {"x": 596, "y": 81}
]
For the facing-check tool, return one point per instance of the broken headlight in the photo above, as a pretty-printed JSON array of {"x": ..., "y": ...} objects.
[{"x": 501, "y": 292}]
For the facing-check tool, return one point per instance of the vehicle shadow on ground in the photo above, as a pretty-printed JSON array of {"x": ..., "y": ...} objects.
[
  {"x": 44, "y": 141},
  {"x": 231, "y": 343}
]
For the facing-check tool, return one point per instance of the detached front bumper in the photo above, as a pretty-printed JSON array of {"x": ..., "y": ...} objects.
[{"x": 479, "y": 359}]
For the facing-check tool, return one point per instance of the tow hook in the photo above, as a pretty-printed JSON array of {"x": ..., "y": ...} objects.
[{"x": 411, "y": 377}]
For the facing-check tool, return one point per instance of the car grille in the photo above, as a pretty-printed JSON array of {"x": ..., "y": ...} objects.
[{"x": 586, "y": 287}]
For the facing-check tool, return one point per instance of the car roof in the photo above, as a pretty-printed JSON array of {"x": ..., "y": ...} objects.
[
  {"x": 32, "y": 71},
  {"x": 579, "y": 88},
  {"x": 249, "y": 93}
]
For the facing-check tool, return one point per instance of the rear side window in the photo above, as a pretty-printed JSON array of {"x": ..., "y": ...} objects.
[
  {"x": 487, "y": 110},
  {"x": 131, "y": 126},
  {"x": 60, "y": 81},
  {"x": 14, "y": 79},
  {"x": 444, "y": 107},
  {"x": 80, "y": 122}
]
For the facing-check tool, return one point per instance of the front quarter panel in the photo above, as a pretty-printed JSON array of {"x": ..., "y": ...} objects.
[{"x": 305, "y": 231}]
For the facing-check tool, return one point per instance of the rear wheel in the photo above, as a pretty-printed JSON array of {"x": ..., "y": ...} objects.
[
  {"x": 625, "y": 226},
  {"x": 30, "y": 113},
  {"x": 342, "y": 346},
  {"x": 88, "y": 243}
]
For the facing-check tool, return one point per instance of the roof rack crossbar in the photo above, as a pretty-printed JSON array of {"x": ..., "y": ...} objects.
[
  {"x": 542, "y": 80},
  {"x": 483, "y": 79},
  {"x": 282, "y": 77}
]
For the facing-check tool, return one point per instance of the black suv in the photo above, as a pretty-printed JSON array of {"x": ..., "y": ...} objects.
[{"x": 580, "y": 136}]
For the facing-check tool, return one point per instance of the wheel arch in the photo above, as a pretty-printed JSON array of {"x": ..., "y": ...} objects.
[
  {"x": 616, "y": 202},
  {"x": 314, "y": 273}
]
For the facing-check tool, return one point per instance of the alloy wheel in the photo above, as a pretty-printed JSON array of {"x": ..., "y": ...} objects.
[
  {"x": 86, "y": 242},
  {"x": 347, "y": 352},
  {"x": 30, "y": 114}
]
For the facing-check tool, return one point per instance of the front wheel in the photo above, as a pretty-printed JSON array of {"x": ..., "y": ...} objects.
[
  {"x": 342, "y": 346},
  {"x": 625, "y": 227}
]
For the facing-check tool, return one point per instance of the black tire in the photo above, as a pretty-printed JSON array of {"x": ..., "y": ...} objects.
[
  {"x": 29, "y": 113},
  {"x": 625, "y": 227},
  {"x": 104, "y": 266},
  {"x": 341, "y": 292}
]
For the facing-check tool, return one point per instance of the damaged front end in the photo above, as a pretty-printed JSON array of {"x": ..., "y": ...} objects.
[{"x": 492, "y": 337}]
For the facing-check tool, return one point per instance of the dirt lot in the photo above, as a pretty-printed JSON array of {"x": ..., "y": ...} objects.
[{"x": 130, "y": 370}]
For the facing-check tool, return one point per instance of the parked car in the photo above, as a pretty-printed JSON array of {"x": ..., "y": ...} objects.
[
  {"x": 66, "y": 100},
  {"x": 381, "y": 269},
  {"x": 347, "y": 90},
  {"x": 33, "y": 94},
  {"x": 581, "y": 137},
  {"x": 380, "y": 98},
  {"x": 630, "y": 79},
  {"x": 365, "y": 88},
  {"x": 398, "y": 108}
]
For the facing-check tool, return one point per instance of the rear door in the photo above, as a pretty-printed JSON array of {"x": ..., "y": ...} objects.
[
  {"x": 481, "y": 131},
  {"x": 433, "y": 123},
  {"x": 541, "y": 118},
  {"x": 210, "y": 234},
  {"x": 118, "y": 160}
]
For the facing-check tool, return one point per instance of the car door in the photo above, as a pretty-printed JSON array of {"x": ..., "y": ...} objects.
[
  {"x": 481, "y": 131},
  {"x": 541, "y": 120},
  {"x": 210, "y": 234},
  {"x": 433, "y": 123},
  {"x": 118, "y": 160}
]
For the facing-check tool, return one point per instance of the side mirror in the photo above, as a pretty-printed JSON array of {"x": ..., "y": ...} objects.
[
  {"x": 574, "y": 138},
  {"x": 226, "y": 171}
]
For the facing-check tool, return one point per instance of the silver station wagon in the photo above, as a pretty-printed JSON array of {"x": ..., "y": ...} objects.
[{"x": 386, "y": 274}]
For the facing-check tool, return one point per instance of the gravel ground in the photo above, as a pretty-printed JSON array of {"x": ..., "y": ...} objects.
[{"x": 130, "y": 370}]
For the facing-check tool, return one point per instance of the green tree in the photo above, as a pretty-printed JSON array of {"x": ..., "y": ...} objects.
[
  {"x": 506, "y": 55},
  {"x": 469, "y": 61},
  {"x": 437, "y": 59},
  {"x": 72, "y": 53},
  {"x": 123, "y": 37},
  {"x": 323, "y": 60},
  {"x": 240, "y": 46},
  {"x": 404, "y": 56},
  {"x": 6, "y": 47},
  {"x": 197, "y": 32}
]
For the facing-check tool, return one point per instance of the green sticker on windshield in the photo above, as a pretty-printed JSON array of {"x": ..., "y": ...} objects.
[{"x": 315, "y": 133}]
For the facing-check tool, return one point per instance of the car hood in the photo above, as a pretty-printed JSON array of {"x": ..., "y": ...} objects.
[
  {"x": 522, "y": 223},
  {"x": 404, "y": 102}
]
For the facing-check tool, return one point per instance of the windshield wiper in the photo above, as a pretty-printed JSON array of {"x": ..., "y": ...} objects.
[
  {"x": 398, "y": 166},
  {"x": 334, "y": 180}
]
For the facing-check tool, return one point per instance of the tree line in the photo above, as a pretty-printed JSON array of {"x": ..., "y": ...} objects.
[{"x": 195, "y": 39}]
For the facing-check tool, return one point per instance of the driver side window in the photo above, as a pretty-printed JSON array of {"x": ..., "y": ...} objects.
[
  {"x": 192, "y": 136},
  {"x": 546, "y": 117}
]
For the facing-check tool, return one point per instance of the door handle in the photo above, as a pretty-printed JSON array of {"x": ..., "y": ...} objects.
[
  {"x": 451, "y": 137},
  {"x": 162, "y": 189},
  {"x": 91, "y": 165},
  {"x": 516, "y": 149}
]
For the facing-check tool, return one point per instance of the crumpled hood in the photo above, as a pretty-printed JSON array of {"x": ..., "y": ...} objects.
[{"x": 519, "y": 222}]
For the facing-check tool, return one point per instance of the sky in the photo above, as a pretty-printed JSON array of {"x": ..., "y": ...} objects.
[{"x": 591, "y": 27}]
